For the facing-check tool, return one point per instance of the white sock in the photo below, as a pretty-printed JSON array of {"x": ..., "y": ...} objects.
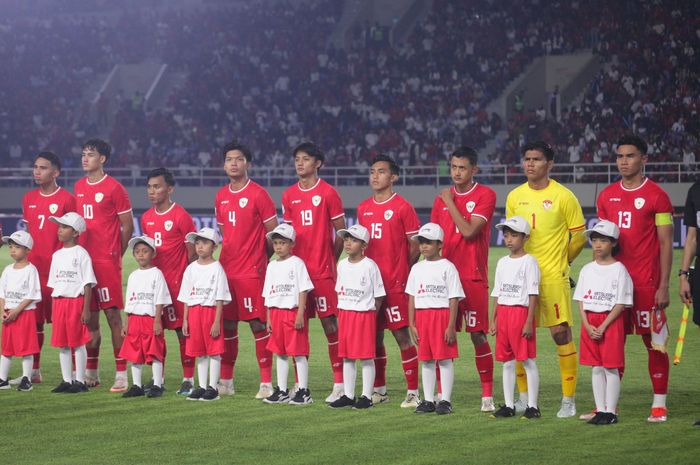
[
  {"x": 214, "y": 370},
  {"x": 157, "y": 368},
  {"x": 5, "y": 363},
  {"x": 447, "y": 378},
  {"x": 382, "y": 389},
  {"x": 27, "y": 362},
  {"x": 509, "y": 384},
  {"x": 80, "y": 363},
  {"x": 283, "y": 372},
  {"x": 368, "y": 373},
  {"x": 349, "y": 377},
  {"x": 302, "y": 364},
  {"x": 599, "y": 386},
  {"x": 533, "y": 382},
  {"x": 659, "y": 401},
  {"x": 202, "y": 371},
  {"x": 136, "y": 370},
  {"x": 429, "y": 380},
  {"x": 64, "y": 357},
  {"x": 612, "y": 389}
]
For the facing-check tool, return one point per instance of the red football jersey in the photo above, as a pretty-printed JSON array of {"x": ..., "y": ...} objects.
[
  {"x": 241, "y": 216},
  {"x": 101, "y": 203},
  {"x": 471, "y": 257},
  {"x": 36, "y": 209},
  {"x": 168, "y": 230},
  {"x": 390, "y": 223},
  {"x": 311, "y": 212},
  {"x": 634, "y": 211}
]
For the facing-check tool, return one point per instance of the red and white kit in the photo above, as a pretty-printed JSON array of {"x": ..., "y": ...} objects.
[
  {"x": 600, "y": 288},
  {"x": 168, "y": 230},
  {"x": 358, "y": 284},
  {"x": 432, "y": 284},
  {"x": 202, "y": 286},
  {"x": 36, "y": 209},
  {"x": 391, "y": 224},
  {"x": 470, "y": 256},
  {"x": 515, "y": 281},
  {"x": 16, "y": 285},
  {"x": 101, "y": 203},
  {"x": 71, "y": 270},
  {"x": 284, "y": 281}
]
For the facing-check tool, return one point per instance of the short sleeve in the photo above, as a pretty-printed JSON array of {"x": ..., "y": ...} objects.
[
  {"x": 25, "y": 202},
  {"x": 580, "y": 285},
  {"x": 265, "y": 205},
  {"x": 335, "y": 205},
  {"x": 286, "y": 210},
  {"x": 377, "y": 282},
  {"x": 532, "y": 276},
  {"x": 185, "y": 223},
  {"x": 663, "y": 203},
  {"x": 86, "y": 270},
  {"x": 52, "y": 272},
  {"x": 434, "y": 213},
  {"x": 454, "y": 286},
  {"x": 573, "y": 213},
  {"x": 409, "y": 218},
  {"x": 411, "y": 282},
  {"x": 510, "y": 207},
  {"x": 304, "y": 282},
  {"x": 222, "y": 291},
  {"x": 217, "y": 209},
  {"x": 162, "y": 295},
  {"x": 120, "y": 197},
  {"x": 267, "y": 283},
  {"x": 486, "y": 205},
  {"x": 71, "y": 205},
  {"x": 625, "y": 288},
  {"x": 3, "y": 284},
  {"x": 497, "y": 281},
  {"x": 185, "y": 286},
  {"x": 600, "y": 207},
  {"x": 34, "y": 286}
]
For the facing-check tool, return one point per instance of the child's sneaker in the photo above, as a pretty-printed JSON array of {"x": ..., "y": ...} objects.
[
  {"x": 342, "y": 402},
  {"x": 487, "y": 404},
  {"x": 156, "y": 391},
  {"x": 77, "y": 387},
  {"x": 530, "y": 413},
  {"x": 265, "y": 391},
  {"x": 277, "y": 397},
  {"x": 504, "y": 412},
  {"x": 379, "y": 398},
  {"x": 363, "y": 403},
  {"x": 596, "y": 419},
  {"x": 411, "y": 401},
  {"x": 135, "y": 391},
  {"x": 210, "y": 394},
  {"x": 337, "y": 392},
  {"x": 4, "y": 384},
  {"x": 25, "y": 385},
  {"x": 186, "y": 388},
  {"x": 196, "y": 394},
  {"x": 610, "y": 419},
  {"x": 425, "y": 406},
  {"x": 443, "y": 408},
  {"x": 301, "y": 397},
  {"x": 63, "y": 387},
  {"x": 658, "y": 415}
]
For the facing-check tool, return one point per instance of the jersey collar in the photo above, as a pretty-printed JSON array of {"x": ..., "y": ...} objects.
[
  {"x": 636, "y": 188},
  {"x": 310, "y": 188},
  {"x": 393, "y": 194},
  {"x": 239, "y": 190},
  {"x": 465, "y": 193}
]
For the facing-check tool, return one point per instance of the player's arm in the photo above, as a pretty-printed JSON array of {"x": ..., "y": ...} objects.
[
  {"x": 412, "y": 317},
  {"x": 689, "y": 251},
  {"x": 413, "y": 251},
  {"x": 87, "y": 298},
  {"x": 450, "y": 332},
  {"x": 378, "y": 302},
  {"x": 2, "y": 308},
  {"x": 573, "y": 215},
  {"x": 185, "y": 326},
  {"x": 301, "y": 309},
  {"x": 216, "y": 326},
  {"x": 158, "y": 320},
  {"x": 338, "y": 224},
  {"x": 270, "y": 224},
  {"x": 127, "y": 225},
  {"x": 576, "y": 243},
  {"x": 665, "y": 234},
  {"x": 467, "y": 228}
]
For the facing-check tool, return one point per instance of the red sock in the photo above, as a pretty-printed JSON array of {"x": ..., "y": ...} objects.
[
  {"x": 438, "y": 380},
  {"x": 263, "y": 355},
  {"x": 186, "y": 360},
  {"x": 228, "y": 358},
  {"x": 120, "y": 362},
  {"x": 484, "y": 365},
  {"x": 93, "y": 355},
  {"x": 336, "y": 362},
  {"x": 658, "y": 367},
  {"x": 409, "y": 361},
  {"x": 380, "y": 367},
  {"x": 37, "y": 356}
]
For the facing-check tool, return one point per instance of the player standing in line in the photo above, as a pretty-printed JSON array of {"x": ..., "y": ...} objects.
[
  {"x": 556, "y": 238},
  {"x": 37, "y": 205},
  {"x": 644, "y": 214},
  {"x": 105, "y": 205},
  {"x": 314, "y": 209},
  {"x": 464, "y": 211},
  {"x": 391, "y": 221},
  {"x": 167, "y": 223},
  {"x": 244, "y": 210}
]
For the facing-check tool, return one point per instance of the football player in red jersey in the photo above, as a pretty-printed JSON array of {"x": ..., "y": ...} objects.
[
  {"x": 105, "y": 205},
  {"x": 391, "y": 221},
  {"x": 167, "y": 223},
  {"x": 313, "y": 207}
]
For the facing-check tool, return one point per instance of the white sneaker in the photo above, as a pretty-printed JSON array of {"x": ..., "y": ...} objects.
[
  {"x": 487, "y": 404},
  {"x": 121, "y": 382},
  {"x": 36, "y": 378},
  {"x": 15, "y": 381},
  {"x": 411, "y": 401},
  {"x": 265, "y": 391},
  {"x": 225, "y": 387},
  {"x": 379, "y": 398},
  {"x": 92, "y": 378},
  {"x": 336, "y": 394},
  {"x": 568, "y": 408},
  {"x": 520, "y": 406}
]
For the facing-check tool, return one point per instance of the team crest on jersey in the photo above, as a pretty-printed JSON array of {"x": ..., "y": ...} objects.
[
  {"x": 316, "y": 200},
  {"x": 99, "y": 196},
  {"x": 243, "y": 201},
  {"x": 388, "y": 214},
  {"x": 75, "y": 263},
  {"x": 53, "y": 208},
  {"x": 291, "y": 275},
  {"x": 168, "y": 225},
  {"x": 470, "y": 206},
  {"x": 639, "y": 202},
  {"x": 547, "y": 204},
  {"x": 363, "y": 281},
  {"x": 613, "y": 285}
]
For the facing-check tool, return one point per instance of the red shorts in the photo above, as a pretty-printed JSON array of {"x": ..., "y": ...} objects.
[
  {"x": 68, "y": 330},
  {"x": 199, "y": 322},
  {"x": 140, "y": 344},
  {"x": 19, "y": 336},
  {"x": 285, "y": 339},
  {"x": 608, "y": 352},
  {"x": 638, "y": 319},
  {"x": 431, "y": 324},
  {"x": 510, "y": 343},
  {"x": 394, "y": 312},
  {"x": 247, "y": 302},
  {"x": 474, "y": 308},
  {"x": 108, "y": 291},
  {"x": 43, "y": 308},
  {"x": 322, "y": 299},
  {"x": 357, "y": 334}
]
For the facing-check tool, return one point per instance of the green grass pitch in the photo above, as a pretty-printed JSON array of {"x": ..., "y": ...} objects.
[{"x": 101, "y": 427}]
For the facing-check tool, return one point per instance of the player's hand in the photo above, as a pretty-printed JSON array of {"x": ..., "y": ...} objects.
[
  {"x": 661, "y": 298},
  {"x": 85, "y": 317},
  {"x": 125, "y": 329},
  {"x": 157, "y": 327},
  {"x": 299, "y": 321},
  {"x": 268, "y": 326},
  {"x": 686, "y": 296},
  {"x": 215, "y": 330},
  {"x": 414, "y": 333},
  {"x": 446, "y": 195},
  {"x": 492, "y": 328},
  {"x": 527, "y": 330},
  {"x": 450, "y": 335},
  {"x": 185, "y": 329}
]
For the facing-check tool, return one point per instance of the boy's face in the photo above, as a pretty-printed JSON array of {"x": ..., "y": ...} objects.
[
  {"x": 429, "y": 249},
  {"x": 92, "y": 160},
  {"x": 204, "y": 247},
  {"x": 158, "y": 190},
  {"x": 282, "y": 247},
  {"x": 352, "y": 246},
  {"x": 235, "y": 164},
  {"x": 305, "y": 164},
  {"x": 44, "y": 172},
  {"x": 17, "y": 252},
  {"x": 602, "y": 246},
  {"x": 380, "y": 177},
  {"x": 66, "y": 233},
  {"x": 143, "y": 254},
  {"x": 514, "y": 241}
]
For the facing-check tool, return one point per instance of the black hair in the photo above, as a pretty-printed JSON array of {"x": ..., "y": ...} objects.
[
  {"x": 144, "y": 243},
  {"x": 100, "y": 146},
  {"x": 165, "y": 172},
  {"x": 235, "y": 145},
  {"x": 631, "y": 139},
  {"x": 393, "y": 167},
  {"x": 51, "y": 157},
  {"x": 311, "y": 149},
  {"x": 513, "y": 231},
  {"x": 540, "y": 146},
  {"x": 423, "y": 240},
  {"x": 616, "y": 247},
  {"x": 279, "y": 236},
  {"x": 468, "y": 153},
  {"x": 11, "y": 242}
]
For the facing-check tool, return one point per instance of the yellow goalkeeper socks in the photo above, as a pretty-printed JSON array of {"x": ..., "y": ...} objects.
[
  {"x": 568, "y": 366},
  {"x": 520, "y": 377}
]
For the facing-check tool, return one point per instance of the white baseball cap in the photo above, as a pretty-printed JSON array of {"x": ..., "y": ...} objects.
[
  {"x": 604, "y": 228},
  {"x": 285, "y": 230},
  {"x": 430, "y": 231},
  {"x": 357, "y": 231},
  {"x": 142, "y": 239},
  {"x": 204, "y": 233},
  {"x": 515, "y": 223},
  {"x": 20, "y": 237},
  {"x": 71, "y": 219}
]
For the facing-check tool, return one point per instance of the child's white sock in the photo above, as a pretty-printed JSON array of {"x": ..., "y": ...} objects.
[
  {"x": 5, "y": 363},
  {"x": 80, "y": 363},
  {"x": 214, "y": 370},
  {"x": 302, "y": 371},
  {"x": 283, "y": 372},
  {"x": 66, "y": 361},
  {"x": 349, "y": 377},
  {"x": 157, "y": 368},
  {"x": 368, "y": 373},
  {"x": 202, "y": 371},
  {"x": 429, "y": 379},
  {"x": 447, "y": 378},
  {"x": 599, "y": 386},
  {"x": 136, "y": 369},
  {"x": 533, "y": 382},
  {"x": 612, "y": 389},
  {"x": 509, "y": 383},
  {"x": 27, "y": 362}
]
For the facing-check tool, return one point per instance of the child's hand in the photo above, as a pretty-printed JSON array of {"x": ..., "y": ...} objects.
[
  {"x": 414, "y": 332},
  {"x": 527, "y": 330},
  {"x": 214, "y": 330},
  {"x": 492, "y": 328},
  {"x": 125, "y": 330},
  {"x": 85, "y": 316},
  {"x": 450, "y": 335},
  {"x": 598, "y": 333},
  {"x": 157, "y": 327},
  {"x": 5, "y": 314},
  {"x": 591, "y": 330},
  {"x": 10, "y": 315},
  {"x": 268, "y": 326},
  {"x": 185, "y": 329},
  {"x": 299, "y": 321}
]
